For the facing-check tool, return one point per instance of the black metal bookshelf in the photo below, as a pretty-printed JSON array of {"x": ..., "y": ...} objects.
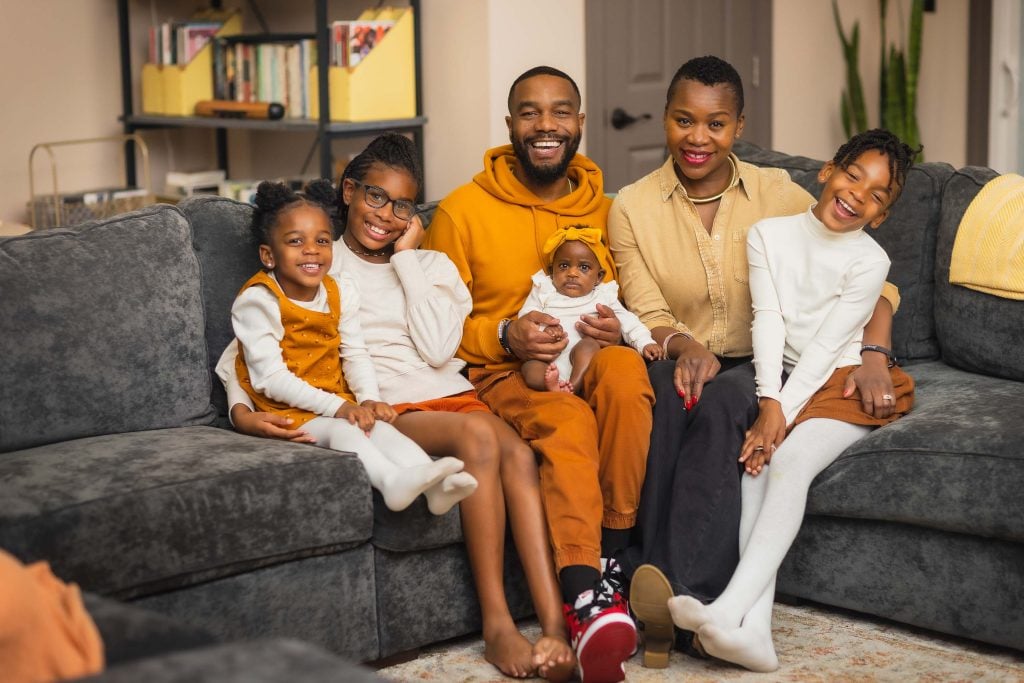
[{"x": 326, "y": 130}]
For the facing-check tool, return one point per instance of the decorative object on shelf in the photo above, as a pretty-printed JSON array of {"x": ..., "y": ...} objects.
[
  {"x": 897, "y": 77},
  {"x": 240, "y": 110},
  {"x": 71, "y": 208},
  {"x": 382, "y": 82}
]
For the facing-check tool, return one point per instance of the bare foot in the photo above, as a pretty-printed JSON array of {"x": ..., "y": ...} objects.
[
  {"x": 554, "y": 658},
  {"x": 510, "y": 652},
  {"x": 552, "y": 381}
]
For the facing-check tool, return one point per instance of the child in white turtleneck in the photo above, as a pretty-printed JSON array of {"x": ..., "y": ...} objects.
[{"x": 814, "y": 281}]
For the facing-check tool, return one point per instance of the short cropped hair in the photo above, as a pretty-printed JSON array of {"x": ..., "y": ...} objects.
[
  {"x": 543, "y": 71},
  {"x": 709, "y": 70}
]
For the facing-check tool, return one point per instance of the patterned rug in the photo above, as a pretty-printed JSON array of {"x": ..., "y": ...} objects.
[{"x": 813, "y": 643}]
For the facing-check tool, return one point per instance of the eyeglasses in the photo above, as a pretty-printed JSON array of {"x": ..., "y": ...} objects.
[{"x": 378, "y": 199}]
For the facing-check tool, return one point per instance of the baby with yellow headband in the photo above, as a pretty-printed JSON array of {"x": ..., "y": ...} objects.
[{"x": 572, "y": 287}]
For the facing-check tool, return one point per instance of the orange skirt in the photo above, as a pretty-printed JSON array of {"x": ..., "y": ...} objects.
[
  {"x": 466, "y": 402},
  {"x": 829, "y": 401}
]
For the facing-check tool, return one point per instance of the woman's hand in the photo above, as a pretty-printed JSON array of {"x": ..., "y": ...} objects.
[
  {"x": 537, "y": 336},
  {"x": 764, "y": 437},
  {"x": 695, "y": 365},
  {"x": 412, "y": 236},
  {"x": 381, "y": 410},
  {"x": 604, "y": 327},
  {"x": 874, "y": 381},
  {"x": 361, "y": 416},
  {"x": 266, "y": 425}
]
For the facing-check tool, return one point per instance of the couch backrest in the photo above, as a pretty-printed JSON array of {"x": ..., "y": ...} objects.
[
  {"x": 977, "y": 331},
  {"x": 102, "y": 330},
  {"x": 227, "y": 258},
  {"x": 908, "y": 237}
]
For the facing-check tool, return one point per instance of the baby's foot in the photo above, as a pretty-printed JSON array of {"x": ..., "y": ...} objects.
[
  {"x": 444, "y": 495},
  {"x": 551, "y": 379},
  {"x": 510, "y": 652},
  {"x": 404, "y": 484},
  {"x": 747, "y": 646},
  {"x": 553, "y": 658},
  {"x": 688, "y": 613}
]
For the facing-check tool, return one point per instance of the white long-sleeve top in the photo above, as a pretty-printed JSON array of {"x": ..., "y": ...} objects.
[
  {"x": 412, "y": 328},
  {"x": 813, "y": 291},
  {"x": 545, "y": 298},
  {"x": 256, "y": 320}
]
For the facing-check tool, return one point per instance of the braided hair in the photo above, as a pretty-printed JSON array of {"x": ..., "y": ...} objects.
[
  {"x": 274, "y": 198},
  {"x": 708, "y": 70},
  {"x": 393, "y": 150},
  {"x": 900, "y": 155}
]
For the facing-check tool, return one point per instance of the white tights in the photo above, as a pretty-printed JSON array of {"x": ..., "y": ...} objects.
[
  {"x": 396, "y": 465},
  {"x": 737, "y": 626}
]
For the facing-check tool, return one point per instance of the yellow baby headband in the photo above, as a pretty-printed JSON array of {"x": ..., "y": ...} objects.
[{"x": 592, "y": 237}]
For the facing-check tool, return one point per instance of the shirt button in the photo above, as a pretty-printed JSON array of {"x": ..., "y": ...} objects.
[{"x": 718, "y": 237}]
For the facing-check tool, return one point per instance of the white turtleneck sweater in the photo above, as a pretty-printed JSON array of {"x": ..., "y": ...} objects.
[
  {"x": 813, "y": 291},
  {"x": 412, "y": 312}
]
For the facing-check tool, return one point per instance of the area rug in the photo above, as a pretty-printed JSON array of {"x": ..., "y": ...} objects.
[{"x": 814, "y": 644}]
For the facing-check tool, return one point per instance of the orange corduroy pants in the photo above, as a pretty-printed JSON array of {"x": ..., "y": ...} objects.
[{"x": 592, "y": 448}]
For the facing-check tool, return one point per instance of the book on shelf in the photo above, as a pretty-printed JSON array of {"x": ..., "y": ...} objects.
[
  {"x": 178, "y": 42},
  {"x": 186, "y": 184},
  {"x": 265, "y": 68},
  {"x": 352, "y": 41}
]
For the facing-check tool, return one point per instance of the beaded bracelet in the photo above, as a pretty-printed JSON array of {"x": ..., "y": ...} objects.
[
  {"x": 503, "y": 335},
  {"x": 664, "y": 343}
]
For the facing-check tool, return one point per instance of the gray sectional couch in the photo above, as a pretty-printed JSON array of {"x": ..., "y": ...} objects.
[
  {"x": 116, "y": 464},
  {"x": 922, "y": 521},
  {"x": 116, "y": 467}
]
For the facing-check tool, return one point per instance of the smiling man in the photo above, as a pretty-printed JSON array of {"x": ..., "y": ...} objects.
[{"x": 592, "y": 447}]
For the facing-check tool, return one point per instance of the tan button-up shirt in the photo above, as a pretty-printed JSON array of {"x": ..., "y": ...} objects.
[{"x": 674, "y": 273}]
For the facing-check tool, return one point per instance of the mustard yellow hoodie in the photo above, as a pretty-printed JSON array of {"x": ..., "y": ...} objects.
[{"x": 493, "y": 228}]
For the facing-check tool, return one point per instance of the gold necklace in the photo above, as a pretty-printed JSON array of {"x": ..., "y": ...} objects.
[
  {"x": 732, "y": 182},
  {"x": 365, "y": 252}
]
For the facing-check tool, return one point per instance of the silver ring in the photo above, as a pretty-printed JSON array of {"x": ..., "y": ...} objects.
[
  {"x": 758, "y": 448},
  {"x": 887, "y": 398}
]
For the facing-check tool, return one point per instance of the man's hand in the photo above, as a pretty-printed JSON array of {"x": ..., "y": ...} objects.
[
  {"x": 266, "y": 425},
  {"x": 537, "y": 336},
  {"x": 766, "y": 434},
  {"x": 874, "y": 381},
  {"x": 361, "y": 416},
  {"x": 695, "y": 365},
  {"x": 381, "y": 410},
  {"x": 604, "y": 327}
]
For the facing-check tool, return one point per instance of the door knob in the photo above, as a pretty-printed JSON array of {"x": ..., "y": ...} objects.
[{"x": 620, "y": 119}]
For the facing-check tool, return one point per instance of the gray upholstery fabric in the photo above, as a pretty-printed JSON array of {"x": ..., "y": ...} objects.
[
  {"x": 131, "y": 633},
  {"x": 954, "y": 463},
  {"x": 103, "y": 330},
  {"x": 128, "y": 514},
  {"x": 260, "y": 661},
  {"x": 908, "y": 237},
  {"x": 329, "y": 601},
  {"x": 954, "y": 583},
  {"x": 414, "y": 528},
  {"x": 227, "y": 258},
  {"x": 978, "y": 332},
  {"x": 410, "y": 608}
]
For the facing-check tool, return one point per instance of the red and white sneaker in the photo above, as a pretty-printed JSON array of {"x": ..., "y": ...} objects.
[{"x": 602, "y": 632}]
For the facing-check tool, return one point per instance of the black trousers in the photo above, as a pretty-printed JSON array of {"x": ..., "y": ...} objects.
[{"x": 688, "y": 522}]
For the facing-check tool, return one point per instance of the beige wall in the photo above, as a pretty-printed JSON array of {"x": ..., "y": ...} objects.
[
  {"x": 467, "y": 74},
  {"x": 60, "y": 81},
  {"x": 809, "y": 75}
]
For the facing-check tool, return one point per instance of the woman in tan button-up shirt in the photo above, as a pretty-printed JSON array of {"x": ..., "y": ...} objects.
[{"x": 678, "y": 236}]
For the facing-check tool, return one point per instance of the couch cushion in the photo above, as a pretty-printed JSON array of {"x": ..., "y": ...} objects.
[
  {"x": 135, "y": 513},
  {"x": 977, "y": 331},
  {"x": 103, "y": 330},
  {"x": 908, "y": 237},
  {"x": 954, "y": 463},
  {"x": 414, "y": 528},
  {"x": 228, "y": 256}
]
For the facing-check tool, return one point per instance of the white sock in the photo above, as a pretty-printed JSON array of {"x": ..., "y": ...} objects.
[{"x": 444, "y": 495}]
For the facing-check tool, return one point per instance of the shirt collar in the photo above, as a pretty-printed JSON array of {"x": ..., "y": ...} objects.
[{"x": 669, "y": 182}]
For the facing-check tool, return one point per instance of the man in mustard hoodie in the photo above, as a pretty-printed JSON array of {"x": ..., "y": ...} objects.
[{"x": 592, "y": 447}]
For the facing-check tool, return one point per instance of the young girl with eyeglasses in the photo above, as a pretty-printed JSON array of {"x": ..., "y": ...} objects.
[
  {"x": 302, "y": 353},
  {"x": 412, "y": 330}
]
